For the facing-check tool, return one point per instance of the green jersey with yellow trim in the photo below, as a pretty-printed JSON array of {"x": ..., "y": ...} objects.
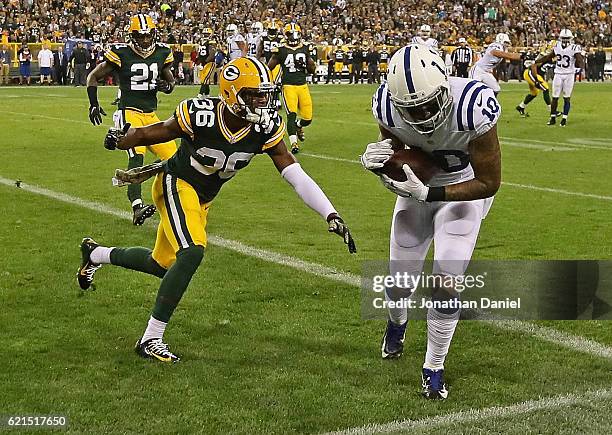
[
  {"x": 138, "y": 75},
  {"x": 210, "y": 154},
  {"x": 293, "y": 61}
]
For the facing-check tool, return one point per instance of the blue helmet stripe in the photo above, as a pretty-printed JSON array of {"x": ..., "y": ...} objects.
[
  {"x": 379, "y": 102},
  {"x": 467, "y": 88},
  {"x": 470, "y": 108},
  {"x": 407, "y": 71}
]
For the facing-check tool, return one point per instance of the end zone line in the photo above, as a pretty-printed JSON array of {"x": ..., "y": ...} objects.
[
  {"x": 551, "y": 335},
  {"x": 505, "y": 183},
  {"x": 476, "y": 415}
]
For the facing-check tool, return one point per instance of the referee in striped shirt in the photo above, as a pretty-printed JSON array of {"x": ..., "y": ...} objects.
[{"x": 462, "y": 58}]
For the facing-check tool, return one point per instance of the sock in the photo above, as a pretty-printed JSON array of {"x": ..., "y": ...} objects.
[
  {"x": 298, "y": 123},
  {"x": 546, "y": 95},
  {"x": 522, "y": 105},
  {"x": 134, "y": 191},
  {"x": 566, "y": 108},
  {"x": 101, "y": 255},
  {"x": 441, "y": 326},
  {"x": 175, "y": 281},
  {"x": 155, "y": 329},
  {"x": 528, "y": 99},
  {"x": 291, "y": 125},
  {"x": 136, "y": 203},
  {"x": 399, "y": 316},
  {"x": 204, "y": 89},
  {"x": 293, "y": 139},
  {"x": 139, "y": 259}
]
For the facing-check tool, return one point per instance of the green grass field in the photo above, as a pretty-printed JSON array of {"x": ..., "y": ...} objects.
[{"x": 268, "y": 347}]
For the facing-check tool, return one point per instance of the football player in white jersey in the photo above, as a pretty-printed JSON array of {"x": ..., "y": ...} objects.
[
  {"x": 254, "y": 38},
  {"x": 567, "y": 56},
  {"x": 236, "y": 44},
  {"x": 495, "y": 53},
  {"x": 425, "y": 38},
  {"x": 453, "y": 120}
]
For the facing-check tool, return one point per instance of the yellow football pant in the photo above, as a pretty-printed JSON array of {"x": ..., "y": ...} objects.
[
  {"x": 297, "y": 97},
  {"x": 382, "y": 67},
  {"x": 183, "y": 218},
  {"x": 140, "y": 119},
  {"x": 338, "y": 67},
  {"x": 207, "y": 72},
  {"x": 536, "y": 82}
]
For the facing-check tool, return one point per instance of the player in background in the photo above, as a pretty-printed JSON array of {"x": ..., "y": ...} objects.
[
  {"x": 567, "y": 57},
  {"x": 384, "y": 62},
  {"x": 295, "y": 61},
  {"x": 144, "y": 67},
  {"x": 453, "y": 120},
  {"x": 219, "y": 137},
  {"x": 236, "y": 44},
  {"x": 206, "y": 57},
  {"x": 534, "y": 76},
  {"x": 254, "y": 39},
  {"x": 270, "y": 41},
  {"x": 424, "y": 37},
  {"x": 495, "y": 53}
]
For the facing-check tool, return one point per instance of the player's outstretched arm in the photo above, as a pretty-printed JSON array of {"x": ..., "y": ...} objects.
[
  {"x": 506, "y": 55},
  {"x": 97, "y": 74},
  {"x": 310, "y": 192},
  {"x": 166, "y": 83},
  {"x": 128, "y": 137}
]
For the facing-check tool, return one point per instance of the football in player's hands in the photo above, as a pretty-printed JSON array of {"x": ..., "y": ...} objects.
[{"x": 422, "y": 164}]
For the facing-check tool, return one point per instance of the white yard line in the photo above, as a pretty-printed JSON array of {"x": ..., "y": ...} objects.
[
  {"x": 573, "y": 342},
  {"x": 478, "y": 415},
  {"x": 505, "y": 183}
]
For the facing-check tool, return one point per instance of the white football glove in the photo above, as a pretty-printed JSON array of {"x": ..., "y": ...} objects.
[
  {"x": 411, "y": 188},
  {"x": 376, "y": 154}
]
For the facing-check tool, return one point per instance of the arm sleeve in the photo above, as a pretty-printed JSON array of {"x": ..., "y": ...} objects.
[
  {"x": 113, "y": 57},
  {"x": 308, "y": 190}
]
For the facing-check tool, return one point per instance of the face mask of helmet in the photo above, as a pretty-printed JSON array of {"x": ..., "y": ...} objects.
[
  {"x": 293, "y": 38},
  {"x": 565, "y": 42},
  {"x": 428, "y": 116},
  {"x": 257, "y": 105},
  {"x": 144, "y": 41}
]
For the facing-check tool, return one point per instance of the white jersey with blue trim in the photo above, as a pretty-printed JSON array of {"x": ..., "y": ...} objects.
[
  {"x": 430, "y": 42},
  {"x": 488, "y": 61},
  {"x": 475, "y": 110},
  {"x": 233, "y": 50},
  {"x": 253, "y": 42},
  {"x": 565, "y": 58}
]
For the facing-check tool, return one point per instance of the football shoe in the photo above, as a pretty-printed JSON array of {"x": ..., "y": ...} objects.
[
  {"x": 85, "y": 274},
  {"x": 393, "y": 341},
  {"x": 300, "y": 134},
  {"x": 551, "y": 121},
  {"x": 433, "y": 384},
  {"x": 295, "y": 148},
  {"x": 521, "y": 111},
  {"x": 142, "y": 213},
  {"x": 156, "y": 349},
  {"x": 563, "y": 122}
]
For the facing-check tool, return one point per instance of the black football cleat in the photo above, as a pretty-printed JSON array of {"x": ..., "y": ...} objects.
[
  {"x": 300, "y": 134},
  {"x": 155, "y": 349},
  {"x": 551, "y": 121},
  {"x": 433, "y": 384},
  {"x": 563, "y": 122},
  {"x": 393, "y": 341},
  {"x": 142, "y": 213},
  {"x": 295, "y": 148},
  {"x": 521, "y": 111},
  {"x": 85, "y": 274}
]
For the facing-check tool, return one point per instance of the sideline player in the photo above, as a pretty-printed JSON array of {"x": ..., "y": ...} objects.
[
  {"x": 206, "y": 57},
  {"x": 453, "y": 120},
  {"x": 495, "y": 53},
  {"x": 295, "y": 61},
  {"x": 144, "y": 68},
  {"x": 568, "y": 56},
  {"x": 219, "y": 137}
]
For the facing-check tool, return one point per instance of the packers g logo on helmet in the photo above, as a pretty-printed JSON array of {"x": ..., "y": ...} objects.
[
  {"x": 247, "y": 88},
  {"x": 142, "y": 34}
]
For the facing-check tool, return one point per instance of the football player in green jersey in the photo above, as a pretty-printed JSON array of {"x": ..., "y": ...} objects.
[
  {"x": 144, "y": 68},
  {"x": 219, "y": 137},
  {"x": 295, "y": 61},
  {"x": 206, "y": 57}
]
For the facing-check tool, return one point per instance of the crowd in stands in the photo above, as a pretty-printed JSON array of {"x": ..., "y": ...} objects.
[{"x": 379, "y": 21}]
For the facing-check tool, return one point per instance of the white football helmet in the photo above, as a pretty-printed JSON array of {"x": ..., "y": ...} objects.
[
  {"x": 231, "y": 30},
  {"x": 425, "y": 31},
  {"x": 566, "y": 36},
  {"x": 419, "y": 88},
  {"x": 503, "y": 38},
  {"x": 257, "y": 28}
]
